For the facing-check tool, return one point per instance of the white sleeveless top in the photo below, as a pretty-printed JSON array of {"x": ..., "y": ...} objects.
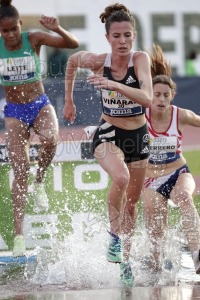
[{"x": 165, "y": 147}]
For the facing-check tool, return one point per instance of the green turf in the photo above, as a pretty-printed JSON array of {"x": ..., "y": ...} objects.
[
  {"x": 193, "y": 161},
  {"x": 71, "y": 199}
]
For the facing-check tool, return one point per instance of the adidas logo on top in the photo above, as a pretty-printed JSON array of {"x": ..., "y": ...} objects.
[{"x": 130, "y": 79}]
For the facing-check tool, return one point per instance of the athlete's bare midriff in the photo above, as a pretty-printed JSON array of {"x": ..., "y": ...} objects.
[
  {"x": 127, "y": 123},
  {"x": 158, "y": 170},
  {"x": 23, "y": 93}
]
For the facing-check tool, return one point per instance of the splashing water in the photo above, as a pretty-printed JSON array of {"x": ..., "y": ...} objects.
[{"x": 79, "y": 261}]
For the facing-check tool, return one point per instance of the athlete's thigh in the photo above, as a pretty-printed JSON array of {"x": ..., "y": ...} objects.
[
  {"x": 137, "y": 171},
  {"x": 17, "y": 139},
  {"x": 111, "y": 159},
  {"x": 185, "y": 184},
  {"x": 46, "y": 123},
  {"x": 153, "y": 202}
]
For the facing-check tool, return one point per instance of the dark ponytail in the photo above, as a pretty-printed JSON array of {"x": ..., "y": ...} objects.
[{"x": 160, "y": 68}]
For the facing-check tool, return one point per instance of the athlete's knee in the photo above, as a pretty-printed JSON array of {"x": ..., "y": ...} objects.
[
  {"x": 121, "y": 180},
  {"x": 49, "y": 137},
  {"x": 184, "y": 199},
  {"x": 49, "y": 143}
]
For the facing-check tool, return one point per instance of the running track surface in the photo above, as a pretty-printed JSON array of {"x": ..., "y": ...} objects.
[
  {"x": 191, "y": 137},
  {"x": 191, "y": 140}
]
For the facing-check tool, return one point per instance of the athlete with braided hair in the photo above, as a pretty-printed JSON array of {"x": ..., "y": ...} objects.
[
  {"x": 27, "y": 105},
  {"x": 121, "y": 144},
  {"x": 168, "y": 176}
]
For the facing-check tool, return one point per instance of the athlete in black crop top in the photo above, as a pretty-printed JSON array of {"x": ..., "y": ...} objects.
[
  {"x": 115, "y": 104},
  {"x": 121, "y": 140},
  {"x": 130, "y": 78}
]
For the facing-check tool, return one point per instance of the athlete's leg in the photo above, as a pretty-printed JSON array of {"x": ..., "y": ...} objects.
[
  {"x": 182, "y": 195},
  {"x": 111, "y": 160},
  {"x": 17, "y": 135},
  {"x": 137, "y": 172},
  {"x": 46, "y": 126},
  {"x": 155, "y": 213}
]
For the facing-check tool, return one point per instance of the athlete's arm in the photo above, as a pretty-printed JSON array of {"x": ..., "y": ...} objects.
[
  {"x": 62, "y": 39},
  {"x": 188, "y": 117},
  {"x": 84, "y": 60}
]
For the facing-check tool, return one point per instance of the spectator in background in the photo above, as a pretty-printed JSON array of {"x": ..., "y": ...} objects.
[
  {"x": 57, "y": 63},
  {"x": 190, "y": 64}
]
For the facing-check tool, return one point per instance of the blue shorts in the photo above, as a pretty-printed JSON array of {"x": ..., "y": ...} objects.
[
  {"x": 164, "y": 184},
  {"x": 26, "y": 112}
]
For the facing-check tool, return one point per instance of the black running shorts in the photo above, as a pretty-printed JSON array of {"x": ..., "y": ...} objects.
[{"x": 133, "y": 143}]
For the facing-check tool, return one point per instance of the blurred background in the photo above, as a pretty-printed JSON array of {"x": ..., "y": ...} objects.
[
  {"x": 78, "y": 184},
  {"x": 174, "y": 25}
]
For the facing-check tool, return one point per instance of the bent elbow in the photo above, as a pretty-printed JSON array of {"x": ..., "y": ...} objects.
[{"x": 75, "y": 44}]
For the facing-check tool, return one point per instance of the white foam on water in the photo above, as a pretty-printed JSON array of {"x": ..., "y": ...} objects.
[
  {"x": 147, "y": 277},
  {"x": 79, "y": 261},
  {"x": 187, "y": 272}
]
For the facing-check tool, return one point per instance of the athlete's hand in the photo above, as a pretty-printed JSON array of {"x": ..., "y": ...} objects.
[
  {"x": 69, "y": 111},
  {"x": 50, "y": 23},
  {"x": 102, "y": 82}
]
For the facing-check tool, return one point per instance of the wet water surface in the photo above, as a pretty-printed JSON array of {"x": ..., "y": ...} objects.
[{"x": 76, "y": 268}]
